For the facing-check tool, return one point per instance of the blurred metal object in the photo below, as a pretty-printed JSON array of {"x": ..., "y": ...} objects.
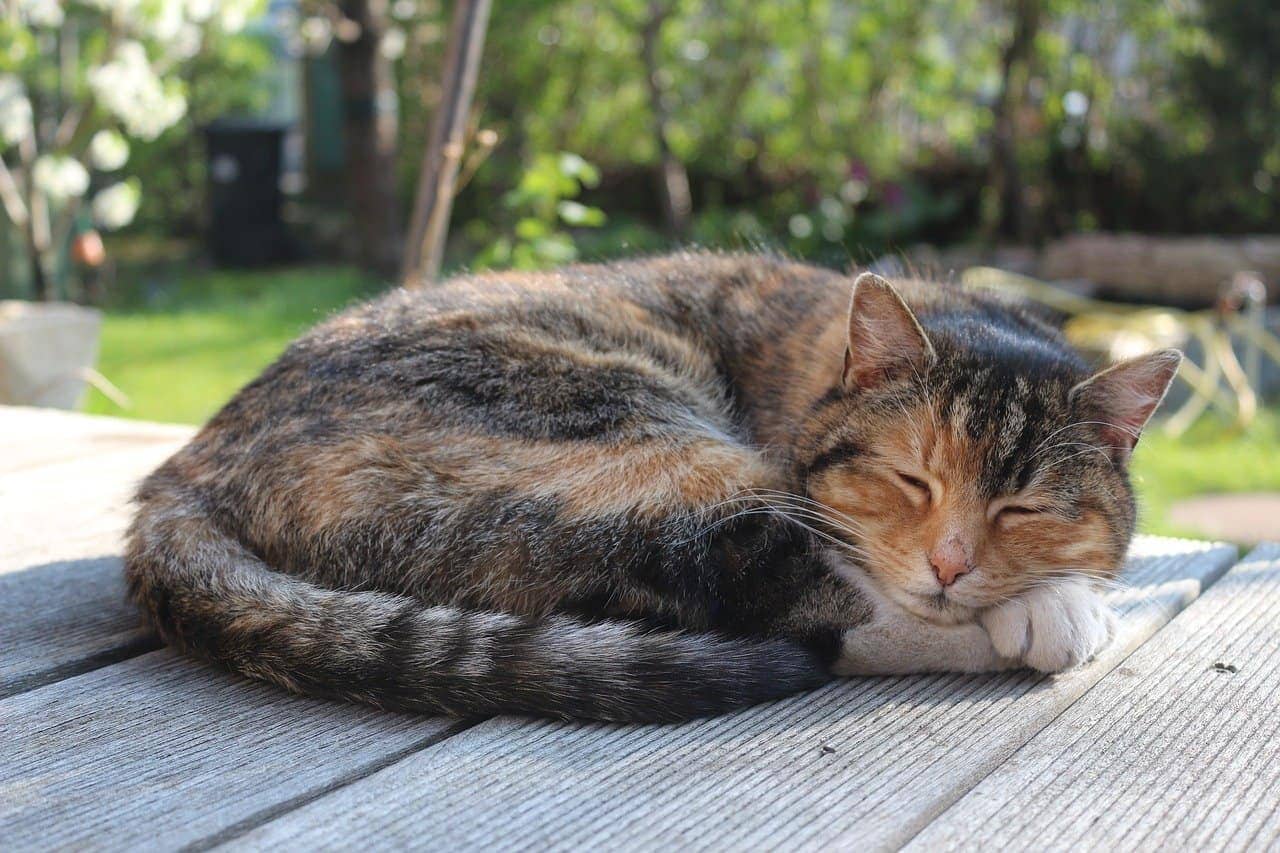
[
  {"x": 47, "y": 352},
  {"x": 1115, "y": 330},
  {"x": 1246, "y": 296},
  {"x": 246, "y": 222}
]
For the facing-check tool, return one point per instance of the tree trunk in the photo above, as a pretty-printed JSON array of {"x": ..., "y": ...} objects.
[
  {"x": 1013, "y": 217},
  {"x": 673, "y": 178},
  {"x": 370, "y": 122},
  {"x": 437, "y": 180},
  {"x": 41, "y": 281},
  {"x": 39, "y": 241}
]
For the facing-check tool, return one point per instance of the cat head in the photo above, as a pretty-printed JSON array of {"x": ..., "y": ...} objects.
[{"x": 969, "y": 454}]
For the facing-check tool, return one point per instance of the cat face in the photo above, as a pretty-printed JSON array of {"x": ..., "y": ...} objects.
[{"x": 972, "y": 456}]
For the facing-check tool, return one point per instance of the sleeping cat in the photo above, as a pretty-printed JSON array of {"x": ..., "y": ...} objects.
[{"x": 650, "y": 491}]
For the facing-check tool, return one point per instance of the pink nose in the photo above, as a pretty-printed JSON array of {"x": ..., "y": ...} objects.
[{"x": 950, "y": 560}]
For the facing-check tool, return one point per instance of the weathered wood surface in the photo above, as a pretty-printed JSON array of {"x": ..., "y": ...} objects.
[
  {"x": 65, "y": 482},
  {"x": 1178, "y": 748},
  {"x": 57, "y": 511},
  {"x": 65, "y": 618},
  {"x": 159, "y": 751},
  {"x": 154, "y": 750},
  {"x": 31, "y": 438},
  {"x": 143, "y": 748},
  {"x": 863, "y": 764}
]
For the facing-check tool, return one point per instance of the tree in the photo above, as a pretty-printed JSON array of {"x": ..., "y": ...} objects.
[
  {"x": 445, "y": 146},
  {"x": 79, "y": 85},
  {"x": 370, "y": 132},
  {"x": 673, "y": 178},
  {"x": 1005, "y": 179}
]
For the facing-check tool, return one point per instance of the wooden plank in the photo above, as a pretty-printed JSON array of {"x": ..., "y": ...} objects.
[
  {"x": 65, "y": 618},
  {"x": 161, "y": 752},
  {"x": 863, "y": 764},
  {"x": 154, "y": 750},
  {"x": 30, "y": 438},
  {"x": 1179, "y": 748},
  {"x": 57, "y": 511},
  {"x": 62, "y": 598}
]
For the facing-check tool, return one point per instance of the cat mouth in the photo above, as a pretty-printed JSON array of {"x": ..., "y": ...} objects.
[{"x": 944, "y": 603}]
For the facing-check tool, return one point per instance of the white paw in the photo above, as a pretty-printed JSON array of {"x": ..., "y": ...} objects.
[{"x": 1052, "y": 628}]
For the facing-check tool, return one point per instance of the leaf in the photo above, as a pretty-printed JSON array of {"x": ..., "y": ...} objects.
[
  {"x": 575, "y": 213},
  {"x": 531, "y": 229},
  {"x": 575, "y": 167},
  {"x": 555, "y": 249}
]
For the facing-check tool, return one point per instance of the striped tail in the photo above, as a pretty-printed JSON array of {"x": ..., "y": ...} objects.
[{"x": 209, "y": 596}]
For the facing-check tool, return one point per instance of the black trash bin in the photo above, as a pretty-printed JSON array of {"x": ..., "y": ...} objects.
[{"x": 246, "y": 227}]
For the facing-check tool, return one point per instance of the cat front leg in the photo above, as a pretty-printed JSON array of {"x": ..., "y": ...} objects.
[
  {"x": 1052, "y": 628},
  {"x": 903, "y": 644},
  {"x": 895, "y": 641}
]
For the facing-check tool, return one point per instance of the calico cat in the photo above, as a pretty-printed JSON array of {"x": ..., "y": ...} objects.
[{"x": 649, "y": 491}]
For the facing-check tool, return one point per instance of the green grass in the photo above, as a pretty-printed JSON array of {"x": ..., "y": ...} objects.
[
  {"x": 180, "y": 352},
  {"x": 1211, "y": 457}
]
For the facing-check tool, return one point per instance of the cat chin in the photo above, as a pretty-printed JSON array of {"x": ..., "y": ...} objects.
[{"x": 936, "y": 608}]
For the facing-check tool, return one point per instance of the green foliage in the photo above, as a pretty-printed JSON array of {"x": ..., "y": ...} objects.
[
  {"x": 181, "y": 351},
  {"x": 1212, "y": 456},
  {"x": 543, "y": 208},
  {"x": 827, "y": 127},
  {"x": 225, "y": 79},
  {"x": 1137, "y": 114}
]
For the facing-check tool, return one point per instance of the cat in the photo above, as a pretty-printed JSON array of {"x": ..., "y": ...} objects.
[{"x": 649, "y": 491}]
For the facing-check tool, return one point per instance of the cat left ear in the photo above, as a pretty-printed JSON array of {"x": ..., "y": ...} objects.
[
  {"x": 885, "y": 338},
  {"x": 1122, "y": 397}
]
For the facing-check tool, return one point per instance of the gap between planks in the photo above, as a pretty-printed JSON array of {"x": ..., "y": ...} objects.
[
  {"x": 1177, "y": 748},
  {"x": 254, "y": 821},
  {"x": 902, "y": 751}
]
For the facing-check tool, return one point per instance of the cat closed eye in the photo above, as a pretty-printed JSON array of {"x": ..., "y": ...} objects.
[
  {"x": 914, "y": 484},
  {"x": 1016, "y": 513}
]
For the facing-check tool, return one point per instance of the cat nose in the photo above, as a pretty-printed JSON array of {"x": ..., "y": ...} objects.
[{"x": 949, "y": 561}]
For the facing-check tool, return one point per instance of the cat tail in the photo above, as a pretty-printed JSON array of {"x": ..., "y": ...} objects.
[{"x": 208, "y": 595}]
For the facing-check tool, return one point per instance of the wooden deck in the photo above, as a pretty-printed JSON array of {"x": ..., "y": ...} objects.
[{"x": 1171, "y": 739}]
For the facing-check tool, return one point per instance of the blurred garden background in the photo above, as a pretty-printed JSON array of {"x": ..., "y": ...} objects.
[{"x": 214, "y": 177}]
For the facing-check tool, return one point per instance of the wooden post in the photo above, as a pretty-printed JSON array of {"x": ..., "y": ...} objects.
[
  {"x": 424, "y": 244},
  {"x": 370, "y": 129}
]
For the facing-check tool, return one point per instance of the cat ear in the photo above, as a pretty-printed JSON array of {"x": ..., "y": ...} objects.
[
  {"x": 1122, "y": 397},
  {"x": 885, "y": 339}
]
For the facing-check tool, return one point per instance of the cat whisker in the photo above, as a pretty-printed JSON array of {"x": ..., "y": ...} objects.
[
  {"x": 767, "y": 509},
  {"x": 821, "y": 507},
  {"x": 819, "y": 517},
  {"x": 787, "y": 501},
  {"x": 1132, "y": 432},
  {"x": 1053, "y": 447},
  {"x": 1056, "y": 462}
]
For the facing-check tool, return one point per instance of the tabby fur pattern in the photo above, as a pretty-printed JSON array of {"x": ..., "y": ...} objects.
[{"x": 646, "y": 491}]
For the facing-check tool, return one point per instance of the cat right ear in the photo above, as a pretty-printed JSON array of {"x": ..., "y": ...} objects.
[
  {"x": 1121, "y": 399},
  {"x": 886, "y": 341}
]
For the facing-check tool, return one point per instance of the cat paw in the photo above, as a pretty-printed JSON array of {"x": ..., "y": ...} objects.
[{"x": 1052, "y": 628}]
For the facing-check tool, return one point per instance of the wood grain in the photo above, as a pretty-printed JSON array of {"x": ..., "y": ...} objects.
[
  {"x": 65, "y": 483},
  {"x": 65, "y": 618},
  {"x": 31, "y": 438},
  {"x": 161, "y": 752},
  {"x": 866, "y": 763},
  {"x": 55, "y": 511},
  {"x": 1179, "y": 748}
]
